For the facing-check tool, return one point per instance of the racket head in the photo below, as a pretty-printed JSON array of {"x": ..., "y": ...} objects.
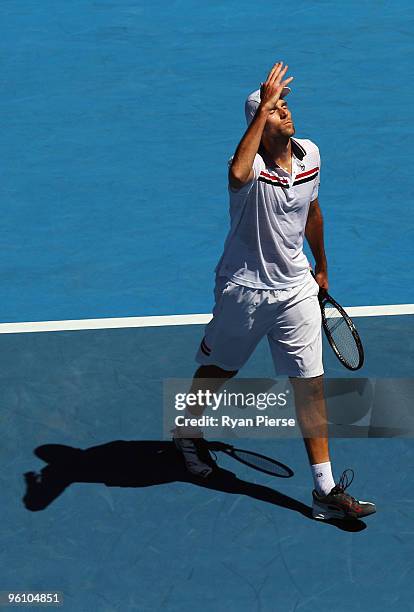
[{"x": 341, "y": 333}]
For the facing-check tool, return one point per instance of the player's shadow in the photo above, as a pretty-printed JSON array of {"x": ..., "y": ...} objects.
[{"x": 141, "y": 464}]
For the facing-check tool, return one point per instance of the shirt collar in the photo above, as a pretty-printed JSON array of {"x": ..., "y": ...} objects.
[{"x": 297, "y": 149}]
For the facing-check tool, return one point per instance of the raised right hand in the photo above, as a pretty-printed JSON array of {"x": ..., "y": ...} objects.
[{"x": 272, "y": 88}]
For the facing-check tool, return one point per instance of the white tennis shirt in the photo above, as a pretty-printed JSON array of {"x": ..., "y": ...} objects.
[{"x": 264, "y": 247}]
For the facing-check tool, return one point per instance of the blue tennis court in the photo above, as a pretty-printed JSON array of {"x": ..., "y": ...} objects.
[{"x": 118, "y": 121}]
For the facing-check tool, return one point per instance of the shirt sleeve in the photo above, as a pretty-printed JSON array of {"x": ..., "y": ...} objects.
[
  {"x": 317, "y": 181},
  {"x": 258, "y": 166}
]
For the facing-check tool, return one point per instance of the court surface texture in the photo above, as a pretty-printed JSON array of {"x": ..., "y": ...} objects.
[{"x": 118, "y": 121}]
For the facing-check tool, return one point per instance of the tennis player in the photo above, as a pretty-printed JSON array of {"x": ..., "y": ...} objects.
[{"x": 264, "y": 286}]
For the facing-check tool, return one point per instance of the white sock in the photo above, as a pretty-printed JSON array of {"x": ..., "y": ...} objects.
[{"x": 322, "y": 477}]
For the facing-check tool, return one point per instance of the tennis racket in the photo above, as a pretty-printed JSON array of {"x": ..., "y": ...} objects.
[
  {"x": 254, "y": 460},
  {"x": 341, "y": 332}
]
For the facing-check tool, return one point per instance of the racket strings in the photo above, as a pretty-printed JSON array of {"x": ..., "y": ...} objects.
[{"x": 341, "y": 335}]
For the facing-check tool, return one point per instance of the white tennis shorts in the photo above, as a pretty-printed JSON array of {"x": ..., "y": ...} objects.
[{"x": 242, "y": 316}]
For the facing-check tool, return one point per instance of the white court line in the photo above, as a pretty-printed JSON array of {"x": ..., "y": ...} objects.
[{"x": 161, "y": 321}]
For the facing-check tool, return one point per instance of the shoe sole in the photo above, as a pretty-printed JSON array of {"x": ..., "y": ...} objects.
[{"x": 322, "y": 513}]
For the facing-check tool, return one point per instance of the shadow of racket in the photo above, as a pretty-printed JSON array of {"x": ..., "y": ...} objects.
[{"x": 254, "y": 460}]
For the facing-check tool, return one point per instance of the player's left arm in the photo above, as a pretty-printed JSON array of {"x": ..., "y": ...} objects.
[{"x": 314, "y": 236}]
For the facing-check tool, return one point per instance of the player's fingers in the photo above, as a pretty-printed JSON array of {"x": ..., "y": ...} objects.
[
  {"x": 281, "y": 86},
  {"x": 275, "y": 69},
  {"x": 276, "y": 82},
  {"x": 279, "y": 76},
  {"x": 278, "y": 87},
  {"x": 276, "y": 74}
]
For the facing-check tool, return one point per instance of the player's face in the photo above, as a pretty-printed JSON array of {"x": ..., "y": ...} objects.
[{"x": 279, "y": 122}]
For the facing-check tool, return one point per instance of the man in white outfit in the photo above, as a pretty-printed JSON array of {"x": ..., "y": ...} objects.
[{"x": 264, "y": 286}]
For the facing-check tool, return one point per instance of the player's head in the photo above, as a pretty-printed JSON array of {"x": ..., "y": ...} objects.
[{"x": 279, "y": 122}]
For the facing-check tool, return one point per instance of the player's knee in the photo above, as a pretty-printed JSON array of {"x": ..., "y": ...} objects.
[
  {"x": 312, "y": 387},
  {"x": 212, "y": 371}
]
